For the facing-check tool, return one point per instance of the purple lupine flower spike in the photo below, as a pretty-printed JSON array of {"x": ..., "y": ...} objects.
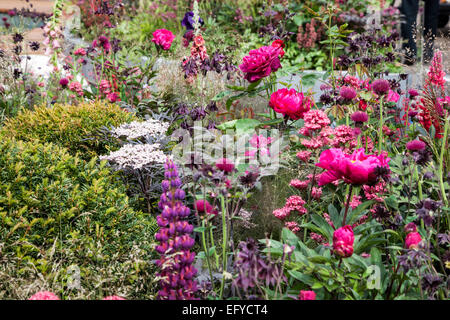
[{"x": 177, "y": 272}]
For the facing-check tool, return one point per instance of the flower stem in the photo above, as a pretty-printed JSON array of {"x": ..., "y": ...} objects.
[
  {"x": 224, "y": 245},
  {"x": 380, "y": 129},
  {"x": 441, "y": 162},
  {"x": 347, "y": 204}
]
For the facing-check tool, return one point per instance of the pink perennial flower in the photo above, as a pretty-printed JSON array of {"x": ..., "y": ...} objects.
[
  {"x": 304, "y": 155},
  {"x": 203, "y": 206},
  {"x": 314, "y": 120},
  {"x": 76, "y": 87},
  {"x": 292, "y": 225},
  {"x": 44, "y": 295},
  {"x": 343, "y": 239},
  {"x": 260, "y": 63},
  {"x": 80, "y": 52},
  {"x": 299, "y": 184},
  {"x": 225, "y": 165},
  {"x": 113, "y": 298},
  {"x": 356, "y": 168},
  {"x": 436, "y": 74},
  {"x": 163, "y": 38},
  {"x": 307, "y": 295},
  {"x": 290, "y": 103}
]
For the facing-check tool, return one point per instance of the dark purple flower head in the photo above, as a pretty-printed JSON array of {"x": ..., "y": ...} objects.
[
  {"x": 348, "y": 93},
  {"x": 381, "y": 86},
  {"x": 188, "y": 21},
  {"x": 64, "y": 82},
  {"x": 359, "y": 117},
  {"x": 413, "y": 93}
]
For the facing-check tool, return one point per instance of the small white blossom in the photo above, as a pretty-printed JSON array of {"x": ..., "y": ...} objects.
[
  {"x": 136, "y": 156},
  {"x": 137, "y": 129}
]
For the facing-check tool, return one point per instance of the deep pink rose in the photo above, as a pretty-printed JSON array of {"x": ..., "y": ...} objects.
[
  {"x": 290, "y": 103},
  {"x": 163, "y": 38},
  {"x": 307, "y": 295},
  {"x": 357, "y": 168},
  {"x": 260, "y": 63},
  {"x": 44, "y": 295},
  {"x": 343, "y": 239},
  {"x": 412, "y": 240},
  {"x": 225, "y": 165}
]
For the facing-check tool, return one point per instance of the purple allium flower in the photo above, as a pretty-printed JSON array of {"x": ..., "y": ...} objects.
[
  {"x": 381, "y": 86},
  {"x": 176, "y": 262},
  {"x": 348, "y": 93},
  {"x": 415, "y": 145},
  {"x": 64, "y": 82},
  {"x": 188, "y": 20},
  {"x": 359, "y": 117}
]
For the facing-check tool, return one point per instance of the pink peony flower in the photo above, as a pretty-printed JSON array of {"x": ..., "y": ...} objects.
[
  {"x": 412, "y": 240},
  {"x": 307, "y": 295},
  {"x": 260, "y": 63},
  {"x": 44, "y": 295},
  {"x": 163, "y": 38},
  {"x": 225, "y": 165},
  {"x": 113, "y": 298},
  {"x": 290, "y": 103},
  {"x": 357, "y": 168},
  {"x": 343, "y": 239}
]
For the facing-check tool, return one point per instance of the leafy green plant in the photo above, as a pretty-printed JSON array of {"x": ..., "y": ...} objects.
[
  {"x": 58, "y": 211},
  {"x": 70, "y": 126}
]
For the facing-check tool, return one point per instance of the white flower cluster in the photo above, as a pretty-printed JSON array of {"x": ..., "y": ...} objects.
[
  {"x": 137, "y": 129},
  {"x": 136, "y": 156}
]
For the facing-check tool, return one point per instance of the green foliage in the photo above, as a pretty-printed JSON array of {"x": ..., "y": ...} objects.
[
  {"x": 57, "y": 211},
  {"x": 70, "y": 126}
]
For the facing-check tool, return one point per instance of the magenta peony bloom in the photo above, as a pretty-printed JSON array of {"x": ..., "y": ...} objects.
[
  {"x": 357, "y": 168},
  {"x": 260, "y": 63},
  {"x": 225, "y": 165},
  {"x": 306, "y": 295},
  {"x": 348, "y": 93},
  {"x": 113, "y": 298},
  {"x": 343, "y": 239},
  {"x": 415, "y": 145},
  {"x": 44, "y": 295},
  {"x": 290, "y": 103},
  {"x": 163, "y": 38},
  {"x": 203, "y": 206},
  {"x": 412, "y": 240},
  {"x": 381, "y": 86}
]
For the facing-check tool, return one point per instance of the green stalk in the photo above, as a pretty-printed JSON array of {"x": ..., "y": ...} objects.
[
  {"x": 441, "y": 162},
  {"x": 380, "y": 129},
  {"x": 206, "y": 255},
  {"x": 224, "y": 246}
]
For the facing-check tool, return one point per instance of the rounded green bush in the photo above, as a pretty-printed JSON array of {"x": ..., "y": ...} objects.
[
  {"x": 59, "y": 213},
  {"x": 70, "y": 126}
]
